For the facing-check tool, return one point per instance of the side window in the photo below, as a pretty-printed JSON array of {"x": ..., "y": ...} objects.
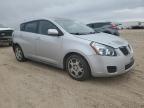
[
  {"x": 97, "y": 25},
  {"x": 101, "y": 24},
  {"x": 31, "y": 27},
  {"x": 44, "y": 26},
  {"x": 92, "y": 25}
]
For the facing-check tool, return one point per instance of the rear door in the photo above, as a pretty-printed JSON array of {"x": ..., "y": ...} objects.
[{"x": 29, "y": 37}]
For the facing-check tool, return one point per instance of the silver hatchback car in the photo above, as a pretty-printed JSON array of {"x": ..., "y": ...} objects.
[{"x": 73, "y": 46}]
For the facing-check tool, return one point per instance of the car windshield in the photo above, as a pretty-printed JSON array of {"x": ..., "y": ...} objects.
[{"x": 74, "y": 27}]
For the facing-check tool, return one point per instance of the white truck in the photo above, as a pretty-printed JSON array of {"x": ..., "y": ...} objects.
[{"x": 5, "y": 35}]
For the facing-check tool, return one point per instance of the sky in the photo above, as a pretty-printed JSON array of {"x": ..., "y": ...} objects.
[{"x": 13, "y": 12}]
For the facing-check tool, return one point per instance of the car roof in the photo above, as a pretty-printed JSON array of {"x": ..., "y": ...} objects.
[{"x": 49, "y": 18}]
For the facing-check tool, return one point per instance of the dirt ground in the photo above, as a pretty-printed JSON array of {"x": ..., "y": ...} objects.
[{"x": 35, "y": 85}]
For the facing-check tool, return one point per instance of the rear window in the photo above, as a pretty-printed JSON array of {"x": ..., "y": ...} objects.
[{"x": 29, "y": 27}]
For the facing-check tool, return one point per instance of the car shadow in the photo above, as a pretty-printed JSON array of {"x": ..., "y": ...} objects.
[
  {"x": 92, "y": 80},
  {"x": 115, "y": 80},
  {"x": 46, "y": 66}
]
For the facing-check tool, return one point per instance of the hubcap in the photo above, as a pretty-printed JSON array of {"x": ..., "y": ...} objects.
[
  {"x": 75, "y": 68},
  {"x": 18, "y": 53}
]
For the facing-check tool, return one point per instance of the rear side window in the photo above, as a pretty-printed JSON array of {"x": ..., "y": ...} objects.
[
  {"x": 30, "y": 27},
  {"x": 98, "y": 25},
  {"x": 91, "y": 25},
  {"x": 44, "y": 26}
]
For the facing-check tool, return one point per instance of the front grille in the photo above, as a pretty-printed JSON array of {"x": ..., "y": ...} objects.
[
  {"x": 6, "y": 33},
  {"x": 124, "y": 50},
  {"x": 129, "y": 65},
  {"x": 111, "y": 69},
  {"x": 5, "y": 39}
]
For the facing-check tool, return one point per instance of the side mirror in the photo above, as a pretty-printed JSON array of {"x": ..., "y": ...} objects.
[{"x": 53, "y": 32}]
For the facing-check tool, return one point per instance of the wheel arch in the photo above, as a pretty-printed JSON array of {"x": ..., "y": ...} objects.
[
  {"x": 74, "y": 53},
  {"x": 15, "y": 44}
]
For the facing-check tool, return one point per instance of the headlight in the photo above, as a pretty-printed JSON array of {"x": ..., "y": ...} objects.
[{"x": 103, "y": 50}]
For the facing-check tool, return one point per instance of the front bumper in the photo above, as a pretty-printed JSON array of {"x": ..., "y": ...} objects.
[
  {"x": 5, "y": 40},
  {"x": 99, "y": 65}
]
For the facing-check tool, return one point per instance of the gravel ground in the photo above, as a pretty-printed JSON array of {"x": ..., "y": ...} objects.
[{"x": 35, "y": 85}]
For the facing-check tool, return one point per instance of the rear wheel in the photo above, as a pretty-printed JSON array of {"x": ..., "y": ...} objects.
[
  {"x": 77, "y": 67},
  {"x": 19, "y": 53}
]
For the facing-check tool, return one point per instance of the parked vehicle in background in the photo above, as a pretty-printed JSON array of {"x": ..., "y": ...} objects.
[
  {"x": 131, "y": 25},
  {"x": 137, "y": 27},
  {"x": 73, "y": 46},
  {"x": 5, "y": 36},
  {"x": 106, "y": 27}
]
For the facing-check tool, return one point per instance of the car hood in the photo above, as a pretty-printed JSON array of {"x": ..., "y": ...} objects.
[
  {"x": 1, "y": 29},
  {"x": 106, "y": 39}
]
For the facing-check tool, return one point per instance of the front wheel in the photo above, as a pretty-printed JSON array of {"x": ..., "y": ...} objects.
[
  {"x": 77, "y": 67},
  {"x": 19, "y": 53}
]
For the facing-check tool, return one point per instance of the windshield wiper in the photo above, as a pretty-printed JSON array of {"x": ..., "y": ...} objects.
[
  {"x": 77, "y": 33},
  {"x": 90, "y": 33},
  {"x": 83, "y": 33}
]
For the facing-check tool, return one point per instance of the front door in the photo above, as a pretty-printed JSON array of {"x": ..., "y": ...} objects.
[{"x": 49, "y": 47}]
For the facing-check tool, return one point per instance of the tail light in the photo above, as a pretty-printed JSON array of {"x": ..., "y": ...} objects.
[{"x": 114, "y": 26}]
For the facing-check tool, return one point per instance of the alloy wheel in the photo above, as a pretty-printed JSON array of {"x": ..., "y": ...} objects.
[
  {"x": 75, "y": 68},
  {"x": 18, "y": 53}
]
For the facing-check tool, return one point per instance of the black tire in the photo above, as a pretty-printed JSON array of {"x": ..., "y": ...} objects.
[
  {"x": 78, "y": 72},
  {"x": 19, "y": 54}
]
